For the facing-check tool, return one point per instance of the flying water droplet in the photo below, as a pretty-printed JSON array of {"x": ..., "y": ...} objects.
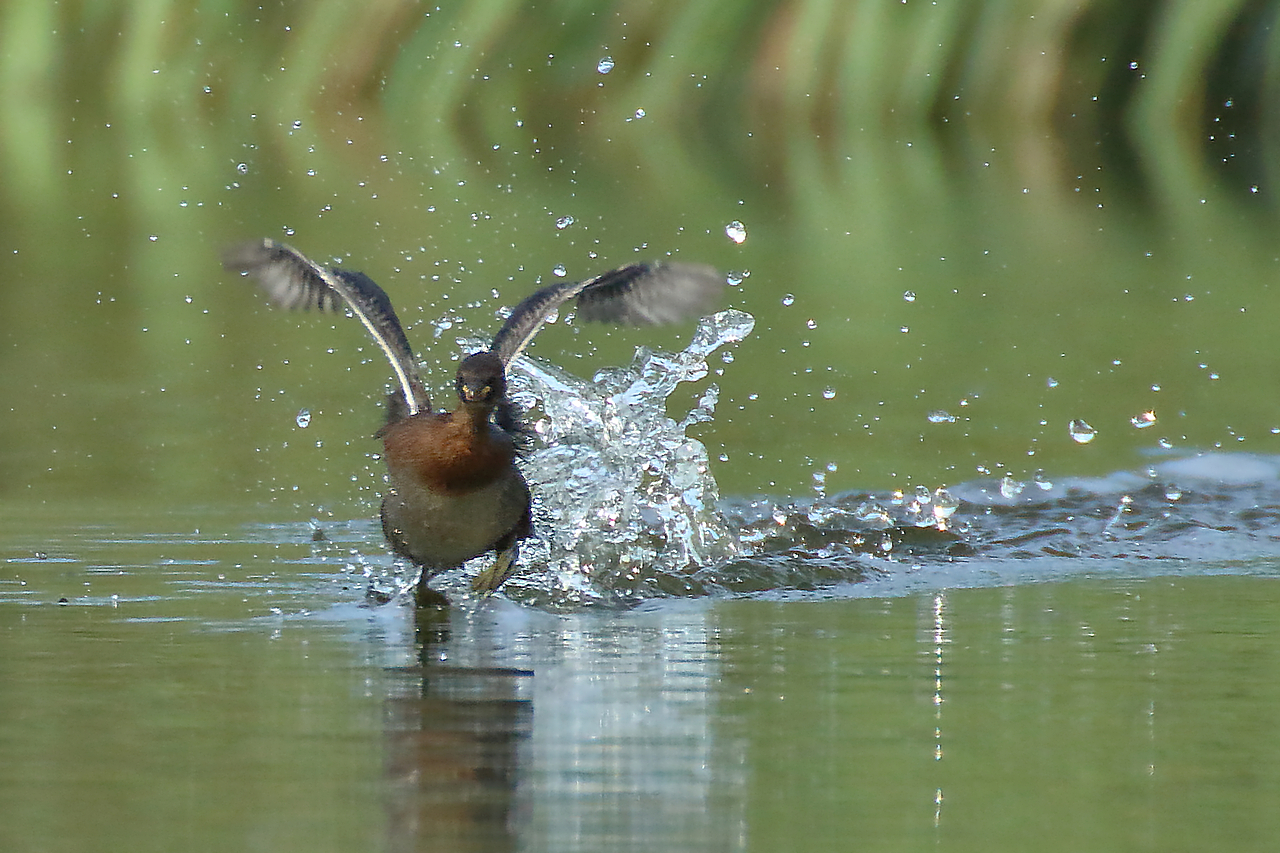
[
  {"x": 1011, "y": 488},
  {"x": 944, "y": 505},
  {"x": 605, "y": 65},
  {"x": 736, "y": 231},
  {"x": 938, "y": 416},
  {"x": 1143, "y": 420},
  {"x": 909, "y": 296},
  {"x": 1081, "y": 432},
  {"x": 564, "y": 222},
  {"x": 559, "y": 271},
  {"x": 303, "y": 418}
]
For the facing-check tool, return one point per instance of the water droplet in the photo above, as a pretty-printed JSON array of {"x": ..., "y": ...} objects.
[
  {"x": 559, "y": 271},
  {"x": 1165, "y": 443},
  {"x": 909, "y": 296},
  {"x": 564, "y": 222},
  {"x": 1081, "y": 432},
  {"x": 828, "y": 393},
  {"x": 640, "y": 113},
  {"x": 1051, "y": 382},
  {"x": 736, "y": 231},
  {"x": 1011, "y": 488},
  {"x": 605, "y": 65},
  {"x": 940, "y": 416},
  {"x": 788, "y": 299},
  {"x": 1043, "y": 483},
  {"x": 242, "y": 168},
  {"x": 1143, "y": 420},
  {"x": 944, "y": 504},
  {"x": 303, "y": 418},
  {"x": 811, "y": 323},
  {"x": 1173, "y": 494}
]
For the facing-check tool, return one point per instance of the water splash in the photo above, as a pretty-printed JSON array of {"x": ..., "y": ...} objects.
[
  {"x": 625, "y": 500},
  {"x": 627, "y": 508}
]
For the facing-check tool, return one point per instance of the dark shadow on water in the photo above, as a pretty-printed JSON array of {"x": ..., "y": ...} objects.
[{"x": 453, "y": 744}]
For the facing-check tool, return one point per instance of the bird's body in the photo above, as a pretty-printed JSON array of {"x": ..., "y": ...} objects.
[
  {"x": 440, "y": 528},
  {"x": 454, "y": 491}
]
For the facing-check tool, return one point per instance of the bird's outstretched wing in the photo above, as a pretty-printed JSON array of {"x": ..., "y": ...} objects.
[
  {"x": 293, "y": 281},
  {"x": 637, "y": 294}
]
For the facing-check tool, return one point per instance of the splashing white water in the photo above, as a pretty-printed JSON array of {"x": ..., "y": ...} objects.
[{"x": 623, "y": 497}]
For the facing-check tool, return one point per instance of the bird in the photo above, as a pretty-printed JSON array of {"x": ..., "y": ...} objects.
[{"x": 454, "y": 489}]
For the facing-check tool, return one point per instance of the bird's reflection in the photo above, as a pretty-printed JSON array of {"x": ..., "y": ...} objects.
[{"x": 454, "y": 748}]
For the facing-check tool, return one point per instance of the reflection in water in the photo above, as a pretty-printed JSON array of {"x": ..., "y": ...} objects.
[
  {"x": 453, "y": 738},
  {"x": 939, "y": 641},
  {"x": 620, "y": 754}
]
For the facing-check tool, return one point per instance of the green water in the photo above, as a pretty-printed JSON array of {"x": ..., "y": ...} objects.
[
  {"x": 250, "y": 701},
  {"x": 1018, "y": 218}
]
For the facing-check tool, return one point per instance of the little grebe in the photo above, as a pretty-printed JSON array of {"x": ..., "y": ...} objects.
[{"x": 454, "y": 489}]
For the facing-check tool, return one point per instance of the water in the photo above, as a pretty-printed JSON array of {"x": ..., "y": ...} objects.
[
  {"x": 872, "y": 591},
  {"x": 251, "y": 698},
  {"x": 921, "y": 667}
]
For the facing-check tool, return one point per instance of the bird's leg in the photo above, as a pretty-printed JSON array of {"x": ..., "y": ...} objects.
[
  {"x": 426, "y": 597},
  {"x": 504, "y": 565}
]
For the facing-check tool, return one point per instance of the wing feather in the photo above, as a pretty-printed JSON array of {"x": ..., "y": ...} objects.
[
  {"x": 637, "y": 295},
  {"x": 293, "y": 281}
]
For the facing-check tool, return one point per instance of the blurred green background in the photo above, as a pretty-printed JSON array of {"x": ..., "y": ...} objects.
[{"x": 1079, "y": 196}]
